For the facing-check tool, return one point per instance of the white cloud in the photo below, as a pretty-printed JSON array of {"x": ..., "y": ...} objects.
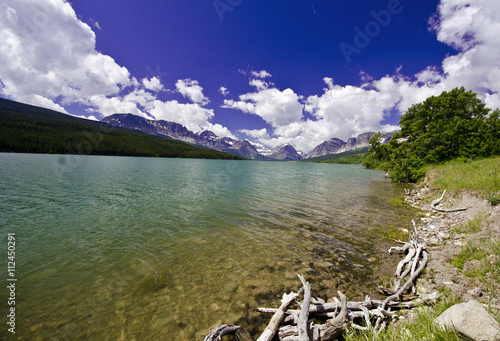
[
  {"x": 276, "y": 107},
  {"x": 46, "y": 52},
  {"x": 260, "y": 84},
  {"x": 256, "y": 133},
  {"x": 153, "y": 84},
  {"x": 48, "y": 57},
  {"x": 261, "y": 74},
  {"x": 342, "y": 112},
  {"x": 95, "y": 24},
  {"x": 469, "y": 26},
  {"x": 219, "y": 130},
  {"x": 191, "y": 89},
  {"x": 224, "y": 91},
  {"x": 111, "y": 105}
]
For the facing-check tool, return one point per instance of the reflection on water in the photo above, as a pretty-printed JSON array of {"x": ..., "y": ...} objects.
[{"x": 143, "y": 249}]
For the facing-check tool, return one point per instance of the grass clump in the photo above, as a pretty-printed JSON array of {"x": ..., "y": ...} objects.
[
  {"x": 481, "y": 176},
  {"x": 419, "y": 327},
  {"x": 473, "y": 226},
  {"x": 480, "y": 261},
  {"x": 394, "y": 233},
  {"x": 398, "y": 201}
]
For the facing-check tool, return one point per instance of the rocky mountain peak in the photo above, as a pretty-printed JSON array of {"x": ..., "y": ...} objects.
[
  {"x": 207, "y": 134},
  {"x": 336, "y": 146},
  {"x": 285, "y": 153}
]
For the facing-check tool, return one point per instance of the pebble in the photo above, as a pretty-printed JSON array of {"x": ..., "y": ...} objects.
[{"x": 476, "y": 292}]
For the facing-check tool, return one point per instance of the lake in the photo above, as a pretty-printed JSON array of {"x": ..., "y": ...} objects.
[{"x": 125, "y": 248}]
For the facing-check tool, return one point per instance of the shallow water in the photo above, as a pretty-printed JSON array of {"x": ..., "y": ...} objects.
[{"x": 123, "y": 248}]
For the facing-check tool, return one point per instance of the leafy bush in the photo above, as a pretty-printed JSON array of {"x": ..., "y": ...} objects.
[{"x": 455, "y": 124}]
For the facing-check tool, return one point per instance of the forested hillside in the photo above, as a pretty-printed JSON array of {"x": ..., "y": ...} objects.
[{"x": 30, "y": 129}]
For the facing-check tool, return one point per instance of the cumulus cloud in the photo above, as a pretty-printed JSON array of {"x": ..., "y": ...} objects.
[
  {"x": 48, "y": 57},
  {"x": 191, "y": 89},
  {"x": 340, "y": 111},
  {"x": 47, "y": 53},
  {"x": 276, "y": 107},
  {"x": 224, "y": 91},
  {"x": 256, "y": 133},
  {"x": 261, "y": 74},
  {"x": 152, "y": 84},
  {"x": 470, "y": 27},
  {"x": 349, "y": 110}
]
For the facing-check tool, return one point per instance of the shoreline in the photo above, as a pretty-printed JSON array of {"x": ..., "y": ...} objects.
[{"x": 447, "y": 234}]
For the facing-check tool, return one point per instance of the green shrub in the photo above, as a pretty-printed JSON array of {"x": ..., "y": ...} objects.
[{"x": 453, "y": 125}]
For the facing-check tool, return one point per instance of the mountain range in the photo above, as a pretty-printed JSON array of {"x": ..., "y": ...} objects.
[
  {"x": 337, "y": 146},
  {"x": 241, "y": 148},
  {"x": 30, "y": 129}
]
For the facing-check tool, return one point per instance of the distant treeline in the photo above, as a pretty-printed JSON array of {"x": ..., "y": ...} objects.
[
  {"x": 30, "y": 129},
  {"x": 355, "y": 156}
]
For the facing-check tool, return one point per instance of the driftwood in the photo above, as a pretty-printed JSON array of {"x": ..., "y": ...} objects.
[
  {"x": 304, "y": 311},
  {"x": 329, "y": 309},
  {"x": 277, "y": 318},
  {"x": 412, "y": 197},
  {"x": 218, "y": 332},
  {"x": 438, "y": 200},
  {"x": 336, "y": 318}
]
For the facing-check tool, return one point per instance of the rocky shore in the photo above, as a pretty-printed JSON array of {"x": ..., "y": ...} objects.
[{"x": 447, "y": 234}]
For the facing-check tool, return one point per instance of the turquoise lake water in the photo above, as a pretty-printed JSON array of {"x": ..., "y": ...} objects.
[{"x": 124, "y": 248}]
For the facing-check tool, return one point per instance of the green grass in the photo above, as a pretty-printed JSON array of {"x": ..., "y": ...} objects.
[
  {"x": 419, "y": 328},
  {"x": 398, "y": 201},
  {"x": 473, "y": 226},
  {"x": 479, "y": 260},
  {"x": 481, "y": 176}
]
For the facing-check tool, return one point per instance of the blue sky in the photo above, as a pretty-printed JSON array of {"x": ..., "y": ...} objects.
[{"x": 273, "y": 72}]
